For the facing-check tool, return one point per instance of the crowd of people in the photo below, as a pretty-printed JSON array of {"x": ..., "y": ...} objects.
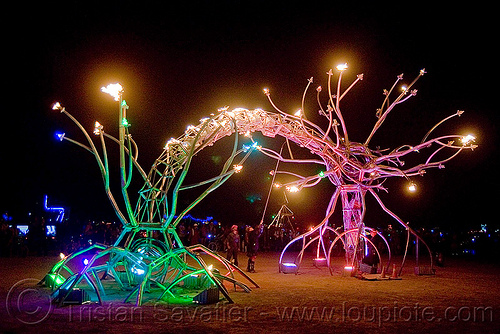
[
  {"x": 234, "y": 239},
  {"x": 37, "y": 238},
  {"x": 67, "y": 237}
]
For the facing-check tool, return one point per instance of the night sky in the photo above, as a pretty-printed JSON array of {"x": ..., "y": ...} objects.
[{"x": 179, "y": 63}]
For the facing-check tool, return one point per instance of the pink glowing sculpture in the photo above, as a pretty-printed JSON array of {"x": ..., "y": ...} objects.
[{"x": 356, "y": 170}]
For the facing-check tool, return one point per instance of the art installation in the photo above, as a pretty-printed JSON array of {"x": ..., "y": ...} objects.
[
  {"x": 357, "y": 170},
  {"x": 150, "y": 257}
]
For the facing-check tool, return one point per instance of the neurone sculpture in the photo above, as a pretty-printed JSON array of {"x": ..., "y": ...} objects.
[
  {"x": 149, "y": 255},
  {"x": 357, "y": 170}
]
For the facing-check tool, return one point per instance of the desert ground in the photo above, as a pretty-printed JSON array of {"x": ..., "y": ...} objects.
[{"x": 462, "y": 297}]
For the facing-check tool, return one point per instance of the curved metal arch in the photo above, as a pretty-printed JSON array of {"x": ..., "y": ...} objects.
[
  {"x": 408, "y": 228},
  {"x": 340, "y": 237}
]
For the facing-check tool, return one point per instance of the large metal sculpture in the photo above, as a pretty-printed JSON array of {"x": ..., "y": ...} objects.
[
  {"x": 357, "y": 170},
  {"x": 149, "y": 255}
]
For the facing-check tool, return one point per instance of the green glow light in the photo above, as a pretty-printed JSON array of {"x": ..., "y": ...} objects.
[
  {"x": 54, "y": 280},
  {"x": 252, "y": 198}
]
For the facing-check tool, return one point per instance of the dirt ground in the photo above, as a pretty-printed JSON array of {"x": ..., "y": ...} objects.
[{"x": 462, "y": 297}]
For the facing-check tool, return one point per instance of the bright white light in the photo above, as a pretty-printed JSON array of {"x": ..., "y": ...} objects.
[
  {"x": 298, "y": 113},
  {"x": 85, "y": 261},
  {"x": 342, "y": 67},
  {"x": 115, "y": 90},
  {"x": 171, "y": 141},
  {"x": 348, "y": 268},
  {"x": 97, "y": 128},
  {"x": 62, "y": 256},
  {"x": 266, "y": 91},
  {"x": 56, "y": 106},
  {"x": 292, "y": 189},
  {"x": 237, "y": 168},
  {"x": 412, "y": 187},
  {"x": 468, "y": 139},
  {"x": 137, "y": 271},
  {"x": 210, "y": 267}
]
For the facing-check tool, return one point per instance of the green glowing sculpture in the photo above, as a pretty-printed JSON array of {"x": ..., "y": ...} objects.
[{"x": 149, "y": 255}]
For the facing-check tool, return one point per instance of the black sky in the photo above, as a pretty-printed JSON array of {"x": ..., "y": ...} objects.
[{"x": 181, "y": 62}]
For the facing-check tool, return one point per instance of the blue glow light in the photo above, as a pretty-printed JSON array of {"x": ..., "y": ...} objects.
[
  {"x": 208, "y": 219},
  {"x": 287, "y": 264},
  {"x": 248, "y": 147},
  {"x": 60, "y": 211},
  {"x": 60, "y": 135},
  {"x": 289, "y": 268}
]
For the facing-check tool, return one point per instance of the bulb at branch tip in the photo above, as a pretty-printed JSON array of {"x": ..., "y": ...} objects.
[
  {"x": 115, "y": 90},
  {"x": 97, "y": 128},
  {"x": 412, "y": 187},
  {"x": 342, "y": 67},
  {"x": 57, "y": 106},
  {"x": 60, "y": 135},
  {"x": 468, "y": 139}
]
